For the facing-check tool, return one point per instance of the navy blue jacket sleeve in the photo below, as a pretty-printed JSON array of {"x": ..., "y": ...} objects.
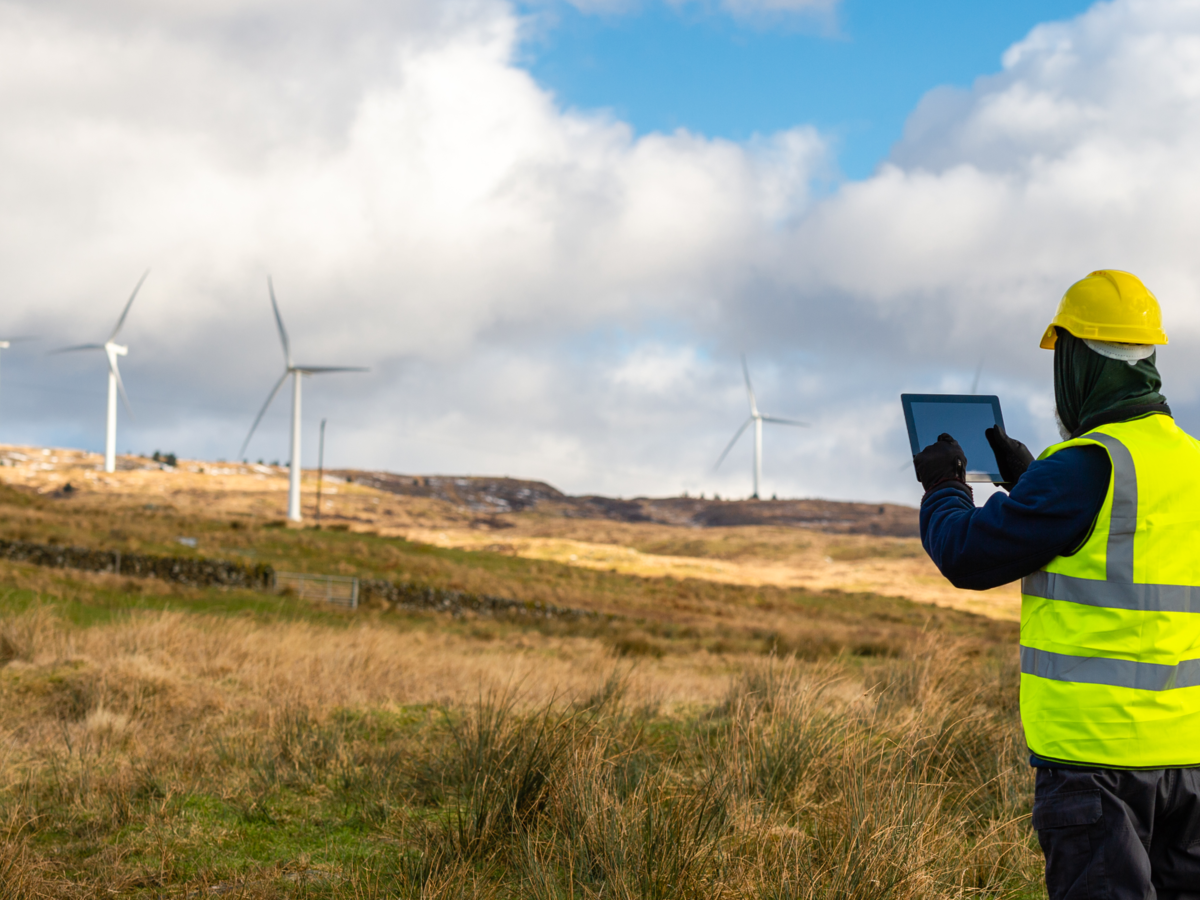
[{"x": 1050, "y": 512}]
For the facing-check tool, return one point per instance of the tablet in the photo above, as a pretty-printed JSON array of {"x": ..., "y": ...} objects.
[{"x": 964, "y": 417}]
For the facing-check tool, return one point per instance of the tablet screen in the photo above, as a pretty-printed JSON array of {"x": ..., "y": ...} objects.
[{"x": 963, "y": 416}]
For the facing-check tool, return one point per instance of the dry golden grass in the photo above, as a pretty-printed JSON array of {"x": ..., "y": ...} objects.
[
  {"x": 777, "y": 556},
  {"x": 164, "y": 752},
  {"x": 183, "y": 665},
  {"x": 718, "y": 737}
]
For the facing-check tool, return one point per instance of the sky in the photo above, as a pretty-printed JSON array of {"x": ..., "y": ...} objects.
[
  {"x": 550, "y": 230},
  {"x": 855, "y": 72}
]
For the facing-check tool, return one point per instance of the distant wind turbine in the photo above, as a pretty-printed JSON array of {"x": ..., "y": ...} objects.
[
  {"x": 295, "y": 371},
  {"x": 112, "y": 350},
  {"x": 757, "y": 418},
  {"x": 975, "y": 383}
]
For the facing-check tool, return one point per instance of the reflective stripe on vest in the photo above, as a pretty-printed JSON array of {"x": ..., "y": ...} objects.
[
  {"x": 1116, "y": 672},
  {"x": 1110, "y": 658}
]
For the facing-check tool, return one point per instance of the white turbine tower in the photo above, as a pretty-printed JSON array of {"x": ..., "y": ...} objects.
[
  {"x": 757, "y": 418},
  {"x": 112, "y": 350},
  {"x": 295, "y": 371}
]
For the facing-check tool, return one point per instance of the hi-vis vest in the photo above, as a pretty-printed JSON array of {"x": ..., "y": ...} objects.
[{"x": 1110, "y": 635}]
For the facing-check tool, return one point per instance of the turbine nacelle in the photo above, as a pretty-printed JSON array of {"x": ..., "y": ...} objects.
[{"x": 112, "y": 351}]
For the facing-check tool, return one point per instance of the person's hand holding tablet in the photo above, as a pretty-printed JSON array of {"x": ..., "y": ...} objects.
[
  {"x": 1012, "y": 456},
  {"x": 944, "y": 427},
  {"x": 940, "y": 462}
]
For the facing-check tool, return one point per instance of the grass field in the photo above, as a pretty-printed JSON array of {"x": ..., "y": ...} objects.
[
  {"x": 704, "y": 737},
  {"x": 747, "y": 555}
]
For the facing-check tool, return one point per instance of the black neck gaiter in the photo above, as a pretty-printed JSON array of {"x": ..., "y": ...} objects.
[{"x": 1089, "y": 387}]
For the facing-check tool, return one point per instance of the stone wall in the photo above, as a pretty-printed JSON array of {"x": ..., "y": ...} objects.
[
  {"x": 181, "y": 569},
  {"x": 406, "y": 595},
  {"x": 198, "y": 572}
]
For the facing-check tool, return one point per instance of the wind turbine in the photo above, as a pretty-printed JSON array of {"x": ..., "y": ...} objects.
[
  {"x": 975, "y": 382},
  {"x": 757, "y": 418},
  {"x": 295, "y": 371},
  {"x": 112, "y": 350}
]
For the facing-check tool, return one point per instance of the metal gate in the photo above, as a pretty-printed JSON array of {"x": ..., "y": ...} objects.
[{"x": 341, "y": 590}]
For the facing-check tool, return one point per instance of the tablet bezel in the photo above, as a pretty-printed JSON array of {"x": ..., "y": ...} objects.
[{"x": 907, "y": 400}]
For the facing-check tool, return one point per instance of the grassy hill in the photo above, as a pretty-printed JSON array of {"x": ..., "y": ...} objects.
[{"x": 695, "y": 738}]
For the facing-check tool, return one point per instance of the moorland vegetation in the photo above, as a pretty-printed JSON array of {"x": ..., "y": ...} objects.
[{"x": 692, "y": 739}]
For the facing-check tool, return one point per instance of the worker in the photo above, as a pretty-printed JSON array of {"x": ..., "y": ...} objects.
[{"x": 1103, "y": 530}]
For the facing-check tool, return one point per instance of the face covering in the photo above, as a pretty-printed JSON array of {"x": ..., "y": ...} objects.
[
  {"x": 1063, "y": 431},
  {"x": 1088, "y": 385}
]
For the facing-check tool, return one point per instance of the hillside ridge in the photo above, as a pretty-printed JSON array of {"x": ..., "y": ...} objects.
[{"x": 495, "y": 496}]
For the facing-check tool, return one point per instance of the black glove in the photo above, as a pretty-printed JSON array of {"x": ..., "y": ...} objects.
[
  {"x": 943, "y": 461},
  {"x": 1012, "y": 456}
]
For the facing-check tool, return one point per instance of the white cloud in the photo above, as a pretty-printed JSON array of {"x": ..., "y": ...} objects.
[
  {"x": 1080, "y": 154},
  {"x": 741, "y": 9},
  {"x": 425, "y": 207},
  {"x": 539, "y": 292}
]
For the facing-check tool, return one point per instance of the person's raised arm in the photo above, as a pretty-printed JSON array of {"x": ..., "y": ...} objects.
[{"x": 1049, "y": 513}]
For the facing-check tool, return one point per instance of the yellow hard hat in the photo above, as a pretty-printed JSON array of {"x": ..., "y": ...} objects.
[{"x": 1108, "y": 305}]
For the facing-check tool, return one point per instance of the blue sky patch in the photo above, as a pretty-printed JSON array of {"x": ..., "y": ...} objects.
[{"x": 661, "y": 67}]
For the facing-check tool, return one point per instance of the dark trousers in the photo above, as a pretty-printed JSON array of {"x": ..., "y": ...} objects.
[{"x": 1119, "y": 835}]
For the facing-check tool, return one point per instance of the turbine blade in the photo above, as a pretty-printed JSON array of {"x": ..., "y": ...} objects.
[
  {"x": 737, "y": 435},
  {"x": 786, "y": 421},
  {"x": 262, "y": 412},
  {"x": 76, "y": 347},
  {"x": 287, "y": 349},
  {"x": 749, "y": 387},
  {"x": 975, "y": 383},
  {"x": 125, "y": 312},
  {"x": 318, "y": 370},
  {"x": 112, "y": 365}
]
